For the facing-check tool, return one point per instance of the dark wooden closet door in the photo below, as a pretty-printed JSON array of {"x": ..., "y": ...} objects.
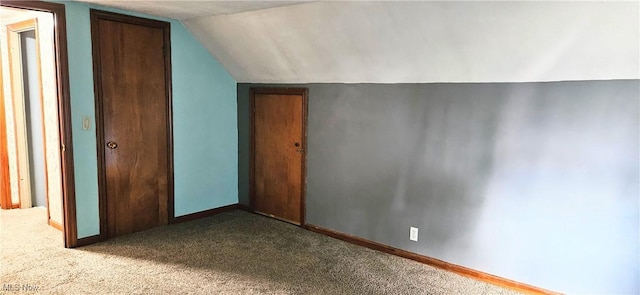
[{"x": 134, "y": 113}]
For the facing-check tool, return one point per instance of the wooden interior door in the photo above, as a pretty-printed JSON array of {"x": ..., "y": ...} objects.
[
  {"x": 278, "y": 157},
  {"x": 131, "y": 67}
]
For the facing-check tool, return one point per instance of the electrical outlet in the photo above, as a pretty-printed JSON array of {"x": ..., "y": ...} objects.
[{"x": 413, "y": 234}]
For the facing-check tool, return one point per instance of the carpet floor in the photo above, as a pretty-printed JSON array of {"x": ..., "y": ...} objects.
[{"x": 230, "y": 253}]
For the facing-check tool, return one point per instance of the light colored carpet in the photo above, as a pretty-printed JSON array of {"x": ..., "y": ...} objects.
[{"x": 231, "y": 253}]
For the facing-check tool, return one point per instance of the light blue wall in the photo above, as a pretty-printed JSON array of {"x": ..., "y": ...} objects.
[
  {"x": 204, "y": 122},
  {"x": 82, "y": 104},
  {"x": 205, "y": 127}
]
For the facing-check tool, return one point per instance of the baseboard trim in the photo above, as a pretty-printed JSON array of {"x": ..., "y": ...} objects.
[
  {"x": 56, "y": 225},
  {"x": 461, "y": 270},
  {"x": 206, "y": 213},
  {"x": 89, "y": 240},
  {"x": 247, "y": 208},
  {"x": 193, "y": 216}
]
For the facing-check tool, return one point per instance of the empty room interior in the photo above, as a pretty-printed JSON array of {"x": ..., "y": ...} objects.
[{"x": 320, "y": 147}]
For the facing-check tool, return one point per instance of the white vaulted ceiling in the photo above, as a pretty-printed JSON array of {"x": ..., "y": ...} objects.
[
  {"x": 189, "y": 9},
  {"x": 393, "y": 42}
]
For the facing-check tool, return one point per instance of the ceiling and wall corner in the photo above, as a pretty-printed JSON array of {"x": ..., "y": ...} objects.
[{"x": 412, "y": 41}]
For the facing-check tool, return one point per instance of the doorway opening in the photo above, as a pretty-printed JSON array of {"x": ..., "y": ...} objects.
[
  {"x": 35, "y": 173},
  {"x": 34, "y": 126},
  {"x": 36, "y": 164}
]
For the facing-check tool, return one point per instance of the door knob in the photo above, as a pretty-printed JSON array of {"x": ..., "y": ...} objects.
[
  {"x": 298, "y": 148},
  {"x": 112, "y": 145}
]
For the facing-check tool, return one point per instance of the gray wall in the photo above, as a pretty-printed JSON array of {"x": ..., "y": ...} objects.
[
  {"x": 535, "y": 182},
  {"x": 33, "y": 117}
]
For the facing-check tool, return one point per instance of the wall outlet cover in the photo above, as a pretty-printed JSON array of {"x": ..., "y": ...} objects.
[
  {"x": 413, "y": 234},
  {"x": 86, "y": 123}
]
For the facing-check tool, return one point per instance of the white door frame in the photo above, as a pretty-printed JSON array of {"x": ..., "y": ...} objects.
[{"x": 19, "y": 111}]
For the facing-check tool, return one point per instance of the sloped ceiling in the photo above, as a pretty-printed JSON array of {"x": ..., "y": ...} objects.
[
  {"x": 188, "y": 9},
  {"x": 392, "y": 42}
]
